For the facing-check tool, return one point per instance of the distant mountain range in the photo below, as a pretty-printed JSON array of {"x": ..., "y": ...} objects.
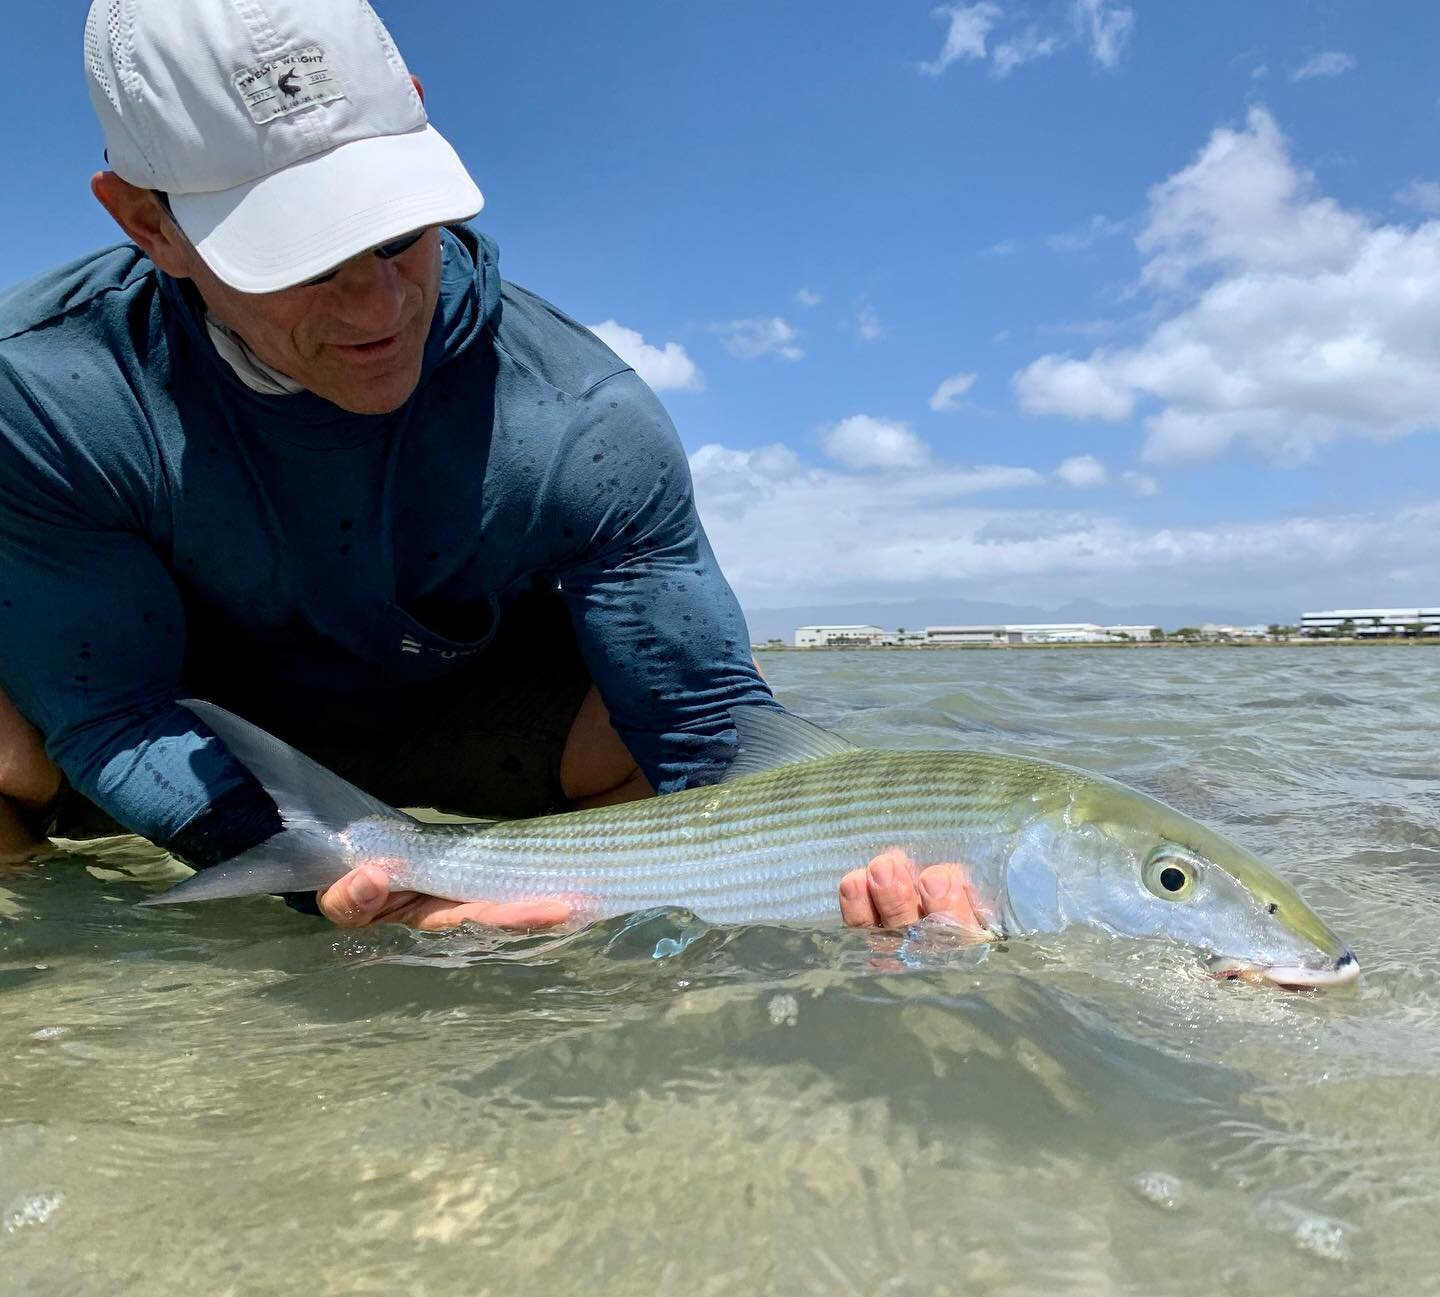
[{"x": 916, "y": 614}]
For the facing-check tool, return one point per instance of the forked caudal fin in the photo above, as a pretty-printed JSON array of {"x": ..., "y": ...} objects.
[{"x": 315, "y": 806}]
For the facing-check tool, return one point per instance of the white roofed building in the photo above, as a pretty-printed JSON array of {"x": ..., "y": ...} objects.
[
  {"x": 1036, "y": 633},
  {"x": 1370, "y": 623},
  {"x": 967, "y": 635},
  {"x": 842, "y": 637}
]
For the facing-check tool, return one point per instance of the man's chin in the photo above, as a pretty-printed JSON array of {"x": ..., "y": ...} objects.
[{"x": 370, "y": 394}]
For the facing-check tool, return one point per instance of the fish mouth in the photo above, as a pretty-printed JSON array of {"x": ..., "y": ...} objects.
[{"x": 1293, "y": 977}]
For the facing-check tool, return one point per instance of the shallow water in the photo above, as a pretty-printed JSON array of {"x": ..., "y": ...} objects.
[{"x": 231, "y": 1099}]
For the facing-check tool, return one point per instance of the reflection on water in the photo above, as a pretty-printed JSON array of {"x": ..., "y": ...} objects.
[{"x": 232, "y": 1099}]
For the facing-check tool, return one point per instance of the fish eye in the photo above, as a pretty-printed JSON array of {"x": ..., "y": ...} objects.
[{"x": 1170, "y": 875}]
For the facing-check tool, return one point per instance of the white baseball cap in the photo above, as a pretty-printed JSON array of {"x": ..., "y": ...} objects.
[{"x": 286, "y": 133}]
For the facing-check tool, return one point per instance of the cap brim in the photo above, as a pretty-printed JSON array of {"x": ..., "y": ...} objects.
[{"x": 298, "y": 223}]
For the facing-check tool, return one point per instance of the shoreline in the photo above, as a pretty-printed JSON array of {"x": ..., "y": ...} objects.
[{"x": 1367, "y": 642}]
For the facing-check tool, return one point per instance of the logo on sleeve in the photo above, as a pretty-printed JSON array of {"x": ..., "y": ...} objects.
[{"x": 287, "y": 84}]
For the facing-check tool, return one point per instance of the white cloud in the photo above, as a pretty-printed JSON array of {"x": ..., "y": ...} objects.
[
  {"x": 788, "y": 533},
  {"x": 666, "y": 369},
  {"x": 808, "y": 297},
  {"x": 761, "y": 336},
  {"x": 864, "y": 442},
  {"x": 1141, "y": 484},
  {"x": 947, "y": 396},
  {"x": 1422, "y": 195},
  {"x": 1105, "y": 26},
  {"x": 1289, "y": 321},
  {"x": 1096, "y": 229},
  {"x": 1005, "y": 248},
  {"x": 1243, "y": 205},
  {"x": 867, "y": 324},
  {"x": 1082, "y": 472},
  {"x": 1332, "y": 63},
  {"x": 1074, "y": 389},
  {"x": 965, "y": 35},
  {"x": 1029, "y": 46}
]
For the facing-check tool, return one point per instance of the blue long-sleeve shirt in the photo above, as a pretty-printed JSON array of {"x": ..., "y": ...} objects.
[{"x": 165, "y": 530}]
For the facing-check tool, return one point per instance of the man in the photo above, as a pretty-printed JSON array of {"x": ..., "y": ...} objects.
[{"x": 297, "y": 449}]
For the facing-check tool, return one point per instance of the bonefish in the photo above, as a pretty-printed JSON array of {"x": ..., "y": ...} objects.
[{"x": 1046, "y": 846}]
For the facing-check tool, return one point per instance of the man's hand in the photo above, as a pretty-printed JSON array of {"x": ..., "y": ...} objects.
[
  {"x": 363, "y": 896},
  {"x": 893, "y": 891}
]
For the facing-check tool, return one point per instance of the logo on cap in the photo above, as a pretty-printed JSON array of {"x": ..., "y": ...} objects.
[{"x": 277, "y": 88}]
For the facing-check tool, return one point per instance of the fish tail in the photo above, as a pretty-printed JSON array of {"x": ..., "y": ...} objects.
[{"x": 315, "y": 805}]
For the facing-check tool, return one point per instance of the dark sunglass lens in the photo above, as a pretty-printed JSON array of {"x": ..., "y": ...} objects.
[
  {"x": 385, "y": 252},
  {"x": 396, "y": 246}
]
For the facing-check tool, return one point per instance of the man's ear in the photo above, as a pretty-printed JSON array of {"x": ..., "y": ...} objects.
[{"x": 146, "y": 222}]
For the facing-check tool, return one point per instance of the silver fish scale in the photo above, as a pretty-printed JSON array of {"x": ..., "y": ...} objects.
[{"x": 771, "y": 846}]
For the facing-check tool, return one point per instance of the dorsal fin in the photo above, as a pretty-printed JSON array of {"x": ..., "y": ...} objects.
[{"x": 770, "y": 737}]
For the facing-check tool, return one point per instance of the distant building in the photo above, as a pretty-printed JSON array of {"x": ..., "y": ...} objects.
[
  {"x": 1061, "y": 633},
  {"x": 968, "y": 635},
  {"x": 842, "y": 637},
  {"x": 1372, "y": 622},
  {"x": 1217, "y": 630},
  {"x": 1036, "y": 633},
  {"x": 1023, "y": 633}
]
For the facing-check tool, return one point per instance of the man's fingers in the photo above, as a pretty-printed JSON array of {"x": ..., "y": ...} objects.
[
  {"x": 855, "y": 907},
  {"x": 892, "y": 889},
  {"x": 363, "y": 896},
  {"x": 946, "y": 890},
  {"x": 511, "y": 914},
  {"x": 891, "y": 893},
  {"x": 357, "y": 899}
]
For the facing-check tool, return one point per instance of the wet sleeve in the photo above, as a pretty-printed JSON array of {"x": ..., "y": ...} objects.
[
  {"x": 92, "y": 637},
  {"x": 659, "y": 627}
]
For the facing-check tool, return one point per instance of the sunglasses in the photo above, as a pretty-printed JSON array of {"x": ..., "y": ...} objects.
[{"x": 385, "y": 251}]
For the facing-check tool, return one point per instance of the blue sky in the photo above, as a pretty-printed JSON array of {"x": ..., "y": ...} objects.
[{"x": 1179, "y": 261}]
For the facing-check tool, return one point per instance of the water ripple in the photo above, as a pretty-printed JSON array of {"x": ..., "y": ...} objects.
[{"x": 231, "y": 1098}]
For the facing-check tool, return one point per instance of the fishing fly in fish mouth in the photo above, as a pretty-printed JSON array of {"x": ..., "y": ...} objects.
[{"x": 1046, "y": 846}]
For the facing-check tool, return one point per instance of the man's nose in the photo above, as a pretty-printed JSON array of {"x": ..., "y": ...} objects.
[{"x": 370, "y": 294}]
